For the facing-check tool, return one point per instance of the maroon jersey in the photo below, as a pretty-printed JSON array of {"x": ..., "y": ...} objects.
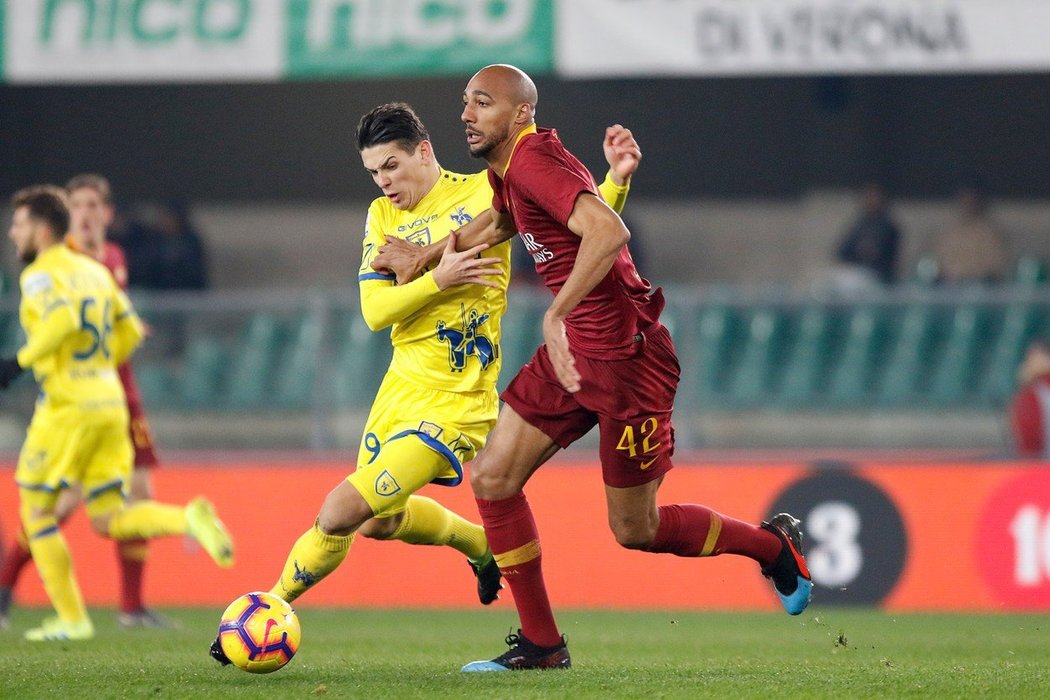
[
  {"x": 539, "y": 191},
  {"x": 1030, "y": 418}
]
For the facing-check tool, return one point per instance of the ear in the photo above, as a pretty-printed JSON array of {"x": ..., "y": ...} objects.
[
  {"x": 426, "y": 151},
  {"x": 525, "y": 114}
]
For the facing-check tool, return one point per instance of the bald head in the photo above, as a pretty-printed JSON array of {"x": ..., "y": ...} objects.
[
  {"x": 512, "y": 83},
  {"x": 498, "y": 103}
]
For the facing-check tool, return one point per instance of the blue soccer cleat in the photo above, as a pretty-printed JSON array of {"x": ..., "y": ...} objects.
[
  {"x": 524, "y": 655},
  {"x": 789, "y": 572}
]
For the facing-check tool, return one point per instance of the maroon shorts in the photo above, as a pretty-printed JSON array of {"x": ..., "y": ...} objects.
[
  {"x": 629, "y": 400},
  {"x": 141, "y": 434}
]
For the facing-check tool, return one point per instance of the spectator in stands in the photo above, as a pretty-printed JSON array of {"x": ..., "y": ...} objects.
[
  {"x": 1030, "y": 406},
  {"x": 973, "y": 249},
  {"x": 871, "y": 245},
  {"x": 166, "y": 251}
]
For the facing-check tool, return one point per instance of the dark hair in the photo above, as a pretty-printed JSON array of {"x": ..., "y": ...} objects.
[
  {"x": 46, "y": 203},
  {"x": 394, "y": 121},
  {"x": 91, "y": 181}
]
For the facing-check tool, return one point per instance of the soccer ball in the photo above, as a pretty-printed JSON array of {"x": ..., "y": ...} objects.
[{"x": 259, "y": 632}]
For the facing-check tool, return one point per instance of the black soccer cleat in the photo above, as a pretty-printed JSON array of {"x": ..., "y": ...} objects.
[
  {"x": 218, "y": 654},
  {"x": 523, "y": 655},
  {"x": 789, "y": 572},
  {"x": 488, "y": 575}
]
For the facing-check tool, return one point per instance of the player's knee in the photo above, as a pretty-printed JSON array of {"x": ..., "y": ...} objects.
[
  {"x": 380, "y": 528},
  {"x": 343, "y": 511},
  {"x": 633, "y": 534},
  {"x": 491, "y": 484},
  {"x": 100, "y": 524}
]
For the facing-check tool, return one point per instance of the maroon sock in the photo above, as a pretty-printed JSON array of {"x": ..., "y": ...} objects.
[
  {"x": 515, "y": 542},
  {"x": 131, "y": 557},
  {"x": 695, "y": 531},
  {"x": 17, "y": 557}
]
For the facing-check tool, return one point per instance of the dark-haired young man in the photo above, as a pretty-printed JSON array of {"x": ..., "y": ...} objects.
[{"x": 438, "y": 399}]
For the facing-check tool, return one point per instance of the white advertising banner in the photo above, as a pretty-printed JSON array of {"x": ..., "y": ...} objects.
[
  {"x": 608, "y": 38},
  {"x": 143, "y": 40}
]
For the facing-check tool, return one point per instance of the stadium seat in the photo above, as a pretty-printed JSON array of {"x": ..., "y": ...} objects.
[
  {"x": 155, "y": 382},
  {"x": 248, "y": 383},
  {"x": 807, "y": 359},
  {"x": 521, "y": 333},
  {"x": 202, "y": 372},
  {"x": 850, "y": 378},
  {"x": 1020, "y": 323},
  {"x": 361, "y": 359},
  {"x": 294, "y": 379},
  {"x": 903, "y": 374},
  {"x": 714, "y": 334},
  {"x": 1030, "y": 271},
  {"x": 953, "y": 375},
  {"x": 750, "y": 379}
]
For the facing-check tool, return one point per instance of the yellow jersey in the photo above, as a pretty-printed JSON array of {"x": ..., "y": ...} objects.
[
  {"x": 447, "y": 340},
  {"x": 79, "y": 327}
]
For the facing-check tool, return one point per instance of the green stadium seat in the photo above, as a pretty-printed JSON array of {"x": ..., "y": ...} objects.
[
  {"x": 953, "y": 376},
  {"x": 294, "y": 382},
  {"x": 361, "y": 359},
  {"x": 714, "y": 335},
  {"x": 1030, "y": 271},
  {"x": 850, "y": 379},
  {"x": 807, "y": 359},
  {"x": 155, "y": 383},
  {"x": 521, "y": 333},
  {"x": 249, "y": 382},
  {"x": 1020, "y": 323},
  {"x": 203, "y": 372},
  {"x": 750, "y": 381},
  {"x": 903, "y": 374}
]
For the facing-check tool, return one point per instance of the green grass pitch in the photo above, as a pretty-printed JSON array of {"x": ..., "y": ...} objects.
[{"x": 824, "y": 653}]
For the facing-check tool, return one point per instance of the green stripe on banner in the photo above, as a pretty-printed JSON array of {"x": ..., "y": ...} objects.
[{"x": 444, "y": 37}]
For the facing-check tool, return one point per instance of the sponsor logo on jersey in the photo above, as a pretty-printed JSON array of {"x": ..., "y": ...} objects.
[{"x": 539, "y": 252}]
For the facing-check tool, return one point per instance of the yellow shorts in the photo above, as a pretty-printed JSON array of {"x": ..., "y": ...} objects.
[
  {"x": 416, "y": 435},
  {"x": 67, "y": 446}
]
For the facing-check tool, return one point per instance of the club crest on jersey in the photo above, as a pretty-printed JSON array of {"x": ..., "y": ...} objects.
[
  {"x": 460, "y": 217},
  {"x": 467, "y": 342},
  {"x": 420, "y": 237},
  {"x": 386, "y": 484}
]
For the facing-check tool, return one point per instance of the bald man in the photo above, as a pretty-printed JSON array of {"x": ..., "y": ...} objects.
[{"x": 606, "y": 361}]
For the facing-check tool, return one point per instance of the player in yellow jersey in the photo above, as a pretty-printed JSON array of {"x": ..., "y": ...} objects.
[
  {"x": 438, "y": 400},
  {"x": 79, "y": 327}
]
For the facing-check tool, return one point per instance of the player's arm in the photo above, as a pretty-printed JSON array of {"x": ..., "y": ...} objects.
[
  {"x": 406, "y": 261},
  {"x": 602, "y": 236},
  {"x": 384, "y": 303},
  {"x": 623, "y": 155},
  {"x": 128, "y": 330},
  {"x": 57, "y": 319}
]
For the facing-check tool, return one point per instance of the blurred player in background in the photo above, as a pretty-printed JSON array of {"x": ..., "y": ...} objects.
[
  {"x": 438, "y": 399},
  {"x": 79, "y": 328},
  {"x": 1030, "y": 405},
  {"x": 606, "y": 361},
  {"x": 91, "y": 214}
]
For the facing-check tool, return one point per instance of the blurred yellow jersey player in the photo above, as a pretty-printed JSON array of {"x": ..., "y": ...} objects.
[
  {"x": 438, "y": 399},
  {"x": 79, "y": 326}
]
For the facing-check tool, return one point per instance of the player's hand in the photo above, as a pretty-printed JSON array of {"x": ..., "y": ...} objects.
[
  {"x": 558, "y": 349},
  {"x": 622, "y": 152},
  {"x": 403, "y": 259},
  {"x": 9, "y": 371},
  {"x": 465, "y": 267}
]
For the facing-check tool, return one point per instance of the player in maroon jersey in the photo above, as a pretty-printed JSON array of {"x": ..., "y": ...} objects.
[
  {"x": 91, "y": 210},
  {"x": 1030, "y": 406},
  {"x": 606, "y": 361}
]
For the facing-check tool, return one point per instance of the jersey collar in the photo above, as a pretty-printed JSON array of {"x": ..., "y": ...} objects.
[{"x": 530, "y": 129}]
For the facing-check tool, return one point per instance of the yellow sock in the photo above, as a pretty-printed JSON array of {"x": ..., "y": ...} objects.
[
  {"x": 146, "y": 520},
  {"x": 314, "y": 555},
  {"x": 55, "y": 566},
  {"x": 426, "y": 521}
]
